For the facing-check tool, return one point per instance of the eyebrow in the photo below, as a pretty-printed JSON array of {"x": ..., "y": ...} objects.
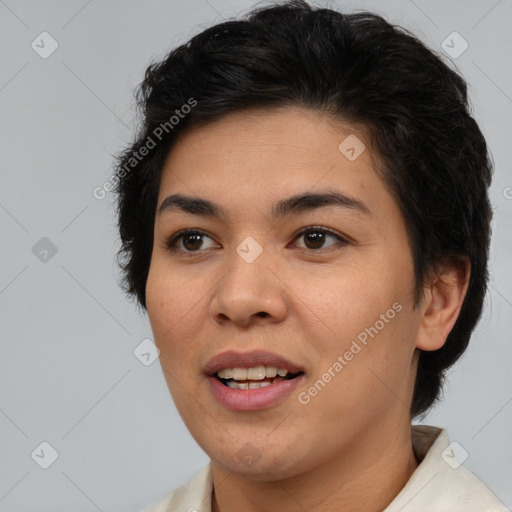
[{"x": 295, "y": 204}]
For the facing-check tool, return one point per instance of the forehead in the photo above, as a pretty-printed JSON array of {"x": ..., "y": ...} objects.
[{"x": 255, "y": 157}]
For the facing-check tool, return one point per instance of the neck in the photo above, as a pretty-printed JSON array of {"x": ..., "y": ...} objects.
[{"x": 364, "y": 477}]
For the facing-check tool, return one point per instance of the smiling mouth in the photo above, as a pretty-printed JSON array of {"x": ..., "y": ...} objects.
[{"x": 255, "y": 377}]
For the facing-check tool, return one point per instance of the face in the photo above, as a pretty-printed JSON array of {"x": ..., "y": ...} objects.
[{"x": 320, "y": 288}]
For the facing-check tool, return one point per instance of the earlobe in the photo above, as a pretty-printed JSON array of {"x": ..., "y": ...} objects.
[{"x": 442, "y": 303}]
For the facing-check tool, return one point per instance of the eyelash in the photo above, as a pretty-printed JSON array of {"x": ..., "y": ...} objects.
[{"x": 169, "y": 243}]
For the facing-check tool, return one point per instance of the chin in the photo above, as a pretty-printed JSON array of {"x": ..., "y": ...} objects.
[
  {"x": 258, "y": 459},
  {"x": 266, "y": 469}
]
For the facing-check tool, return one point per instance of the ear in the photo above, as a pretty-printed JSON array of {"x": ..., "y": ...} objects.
[{"x": 443, "y": 298}]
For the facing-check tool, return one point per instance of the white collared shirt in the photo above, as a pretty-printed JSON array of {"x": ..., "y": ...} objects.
[{"x": 439, "y": 483}]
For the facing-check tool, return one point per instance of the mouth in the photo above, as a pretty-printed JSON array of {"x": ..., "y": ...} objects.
[
  {"x": 255, "y": 377},
  {"x": 252, "y": 380}
]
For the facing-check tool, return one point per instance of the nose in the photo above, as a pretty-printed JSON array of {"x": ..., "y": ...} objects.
[{"x": 249, "y": 292}]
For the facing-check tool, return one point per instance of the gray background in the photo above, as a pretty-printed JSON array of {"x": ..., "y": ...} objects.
[{"x": 67, "y": 368}]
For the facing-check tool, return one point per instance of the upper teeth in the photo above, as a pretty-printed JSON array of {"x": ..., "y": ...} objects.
[{"x": 254, "y": 373}]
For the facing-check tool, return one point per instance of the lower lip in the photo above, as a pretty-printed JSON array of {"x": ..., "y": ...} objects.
[{"x": 252, "y": 399}]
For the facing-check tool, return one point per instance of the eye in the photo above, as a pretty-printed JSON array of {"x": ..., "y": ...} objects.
[
  {"x": 315, "y": 236},
  {"x": 191, "y": 240}
]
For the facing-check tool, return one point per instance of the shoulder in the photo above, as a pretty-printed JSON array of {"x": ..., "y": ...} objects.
[
  {"x": 440, "y": 482},
  {"x": 193, "y": 496}
]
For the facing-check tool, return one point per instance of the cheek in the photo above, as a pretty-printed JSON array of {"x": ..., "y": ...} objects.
[
  {"x": 370, "y": 378},
  {"x": 366, "y": 312},
  {"x": 170, "y": 312},
  {"x": 158, "y": 303},
  {"x": 348, "y": 300},
  {"x": 171, "y": 315}
]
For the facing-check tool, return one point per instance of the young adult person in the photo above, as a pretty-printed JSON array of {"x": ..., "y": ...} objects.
[{"x": 308, "y": 229}]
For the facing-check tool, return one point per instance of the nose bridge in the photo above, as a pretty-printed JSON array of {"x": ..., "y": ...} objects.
[{"x": 248, "y": 265}]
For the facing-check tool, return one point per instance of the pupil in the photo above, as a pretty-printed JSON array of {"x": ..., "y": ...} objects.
[
  {"x": 188, "y": 237},
  {"x": 317, "y": 238}
]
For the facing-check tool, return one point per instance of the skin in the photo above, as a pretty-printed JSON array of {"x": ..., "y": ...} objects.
[{"x": 350, "y": 447}]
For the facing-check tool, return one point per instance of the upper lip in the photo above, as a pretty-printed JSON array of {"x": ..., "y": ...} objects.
[{"x": 234, "y": 359}]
